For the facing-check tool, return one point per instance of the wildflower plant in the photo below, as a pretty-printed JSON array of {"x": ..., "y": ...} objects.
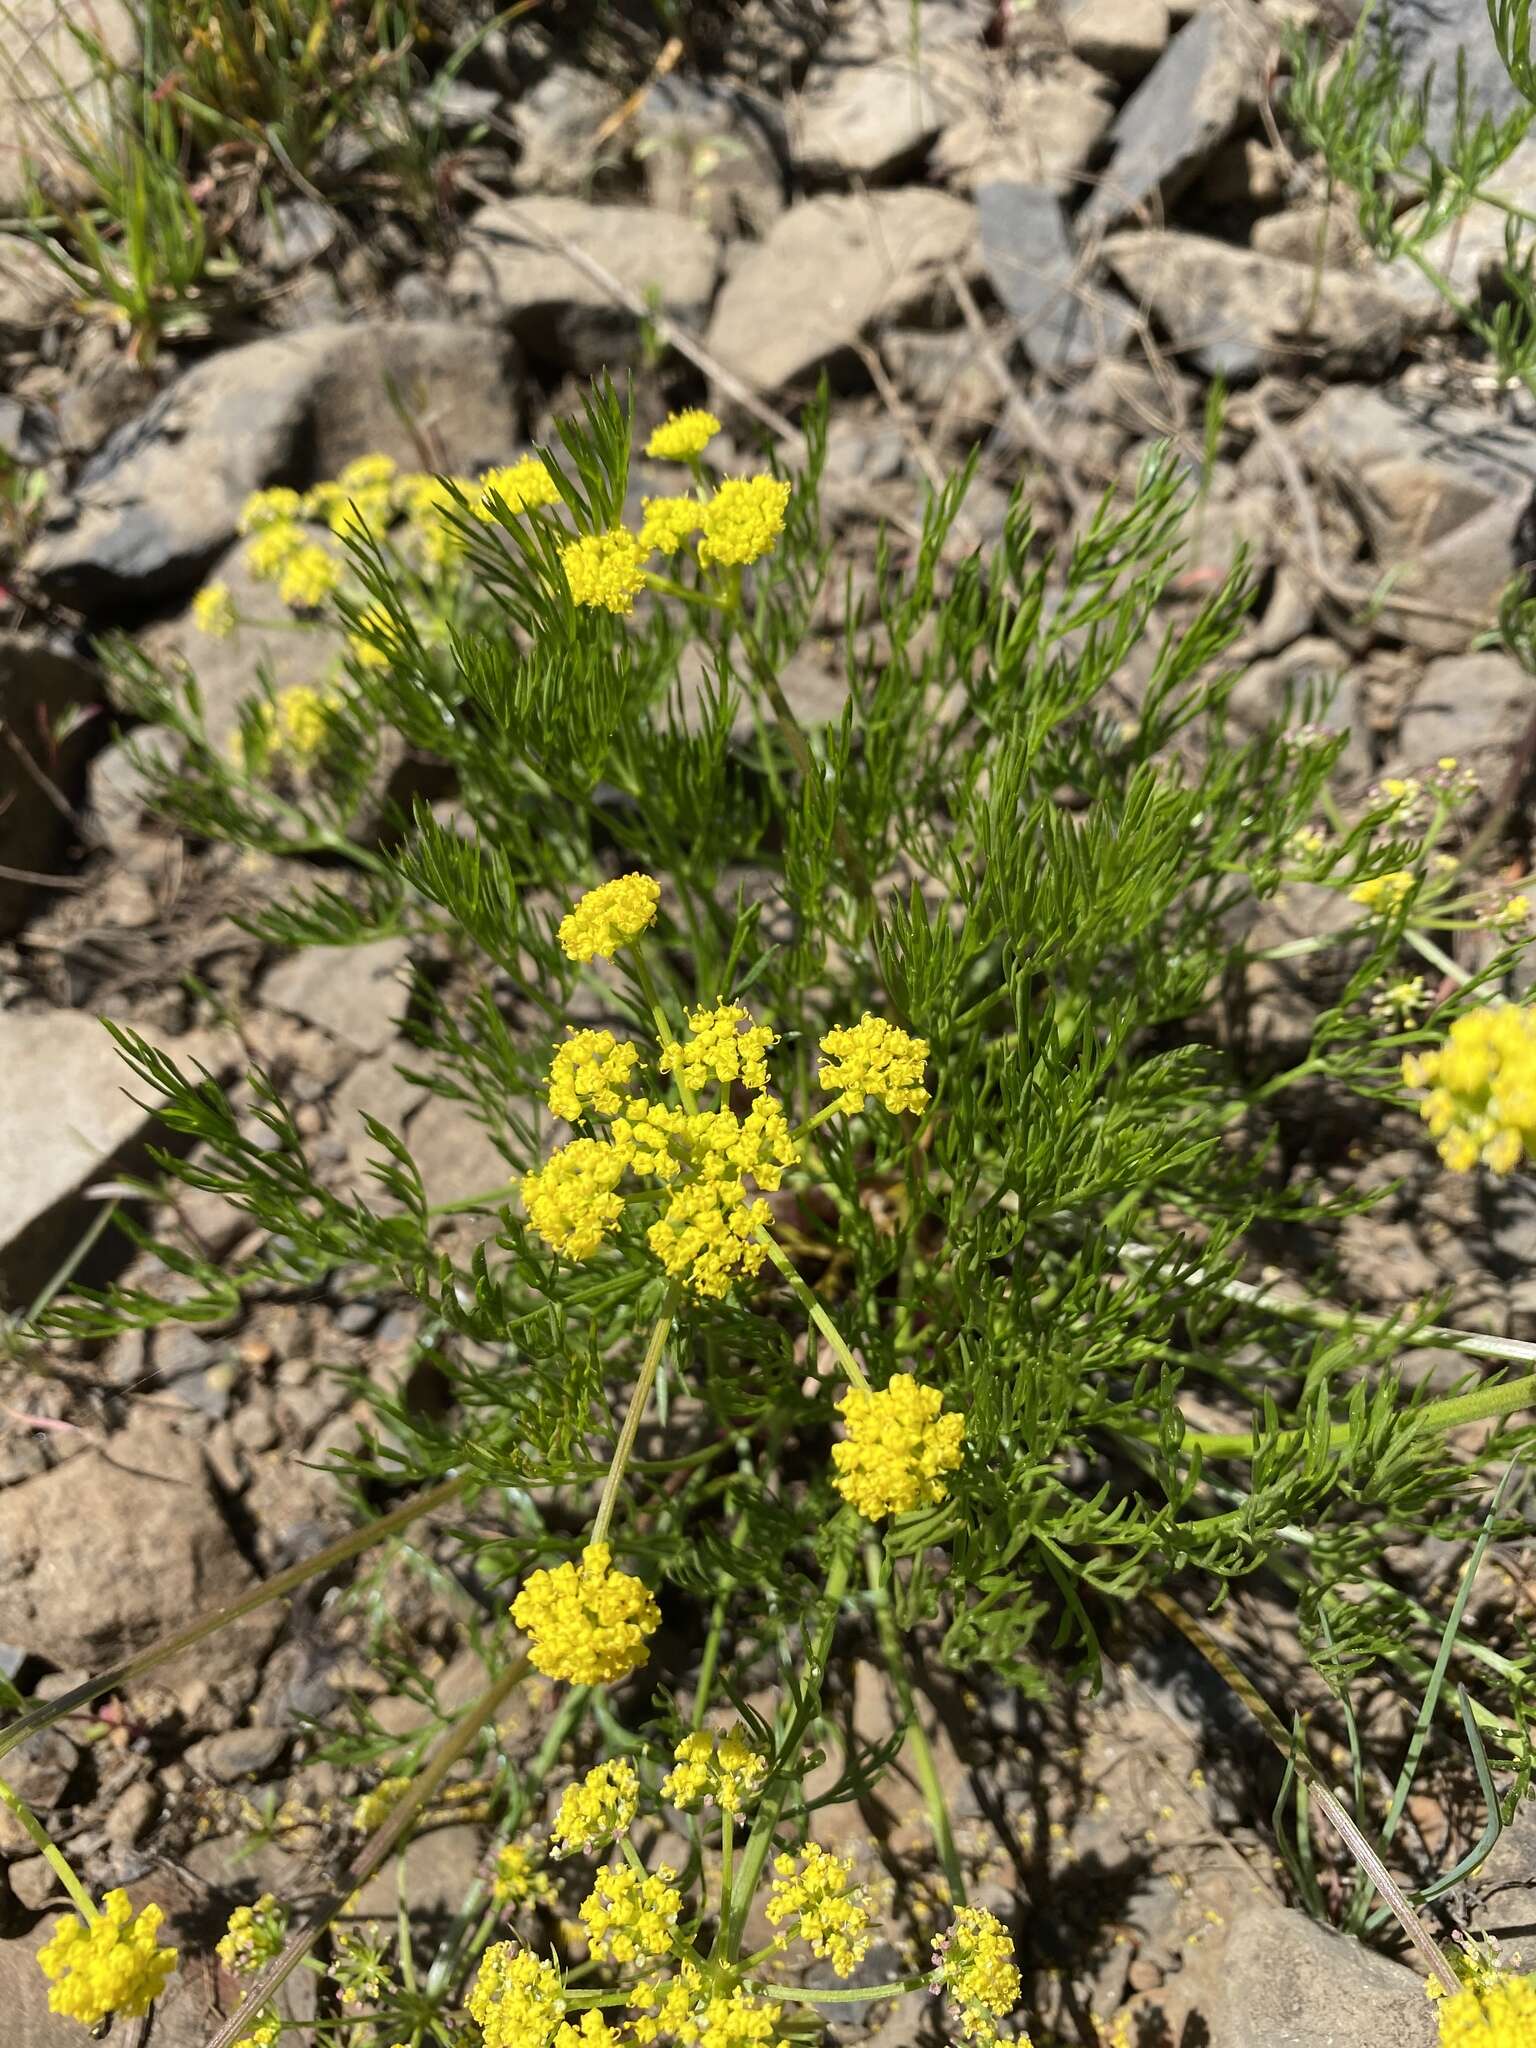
[{"x": 881, "y": 1138}]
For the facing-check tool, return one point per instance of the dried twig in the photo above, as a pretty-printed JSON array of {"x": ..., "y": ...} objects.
[{"x": 671, "y": 50}]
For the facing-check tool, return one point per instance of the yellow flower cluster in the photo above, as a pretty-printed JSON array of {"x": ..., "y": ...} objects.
[
  {"x": 571, "y": 1199},
  {"x": 598, "y": 1809},
  {"x": 310, "y": 575},
  {"x": 375, "y": 1807},
  {"x": 590, "y": 1069},
  {"x": 900, "y": 1443},
  {"x": 725, "y": 1768},
  {"x": 631, "y": 1918},
  {"x": 682, "y": 435},
  {"x": 267, "y": 2032},
  {"x": 520, "y": 486},
  {"x": 742, "y": 520},
  {"x": 609, "y": 917},
  {"x": 1498, "y": 2012},
  {"x": 253, "y": 1936},
  {"x": 277, "y": 540},
  {"x": 377, "y": 637},
  {"x": 605, "y": 570},
  {"x": 975, "y": 1959},
  {"x": 591, "y": 2031},
  {"x": 213, "y": 611},
  {"x": 304, "y": 720},
  {"x": 739, "y": 2021},
  {"x": 831, "y": 1912},
  {"x": 360, "y": 500},
  {"x": 667, "y": 523},
  {"x": 875, "y": 1058},
  {"x": 586, "y": 1623},
  {"x": 1384, "y": 893},
  {"x": 680, "y": 2008},
  {"x": 114, "y": 1965},
  {"x": 516, "y": 1998},
  {"x": 709, "y": 1234},
  {"x": 518, "y": 1879},
  {"x": 276, "y": 507},
  {"x": 717, "y": 1049},
  {"x": 1481, "y": 1103}
]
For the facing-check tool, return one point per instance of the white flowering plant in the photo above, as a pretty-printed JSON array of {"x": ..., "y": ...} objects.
[{"x": 883, "y": 1143}]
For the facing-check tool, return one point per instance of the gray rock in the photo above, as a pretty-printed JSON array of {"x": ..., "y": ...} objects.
[
  {"x": 1237, "y": 314},
  {"x": 831, "y": 269},
  {"x": 159, "y": 502},
  {"x": 33, "y": 1883},
  {"x": 131, "y": 1815},
  {"x": 555, "y": 123},
  {"x": 1463, "y": 704},
  {"x": 238, "y": 1753},
  {"x": 1440, "y": 490},
  {"x": 713, "y": 152},
  {"x": 39, "y": 1772},
  {"x": 1314, "y": 666},
  {"x": 143, "y": 1501},
  {"x": 33, "y": 289},
  {"x": 356, "y": 993},
  {"x": 454, "y": 1154},
  {"x": 296, "y": 232},
  {"x": 118, "y": 787},
  {"x": 48, "y": 80},
  {"x": 1123, "y": 38},
  {"x": 40, "y": 690},
  {"x": 1033, "y": 268},
  {"x": 455, "y": 109},
  {"x": 441, "y": 1865},
  {"x": 506, "y": 272},
  {"x": 1201, "y": 90},
  {"x": 1038, "y": 125},
  {"x": 865, "y": 121},
  {"x": 1272, "y": 1978},
  {"x": 1430, "y": 36},
  {"x": 65, "y": 1119}
]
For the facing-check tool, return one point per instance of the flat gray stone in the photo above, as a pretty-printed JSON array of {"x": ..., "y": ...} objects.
[
  {"x": 831, "y": 269},
  {"x": 237, "y": 1753},
  {"x": 1064, "y": 323},
  {"x": 1201, "y": 90},
  {"x": 1462, "y": 704},
  {"x": 356, "y": 993},
  {"x": 864, "y": 120},
  {"x": 713, "y": 152},
  {"x": 1036, "y": 125},
  {"x": 1430, "y": 35},
  {"x": 1123, "y": 38},
  {"x": 507, "y": 274},
  {"x": 47, "y": 80}
]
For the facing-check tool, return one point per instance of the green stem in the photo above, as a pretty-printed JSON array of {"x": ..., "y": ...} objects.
[
  {"x": 856, "y": 1994},
  {"x": 1427, "y": 948},
  {"x": 47, "y": 1848},
  {"x": 631, "y": 1425},
  {"x": 666, "y": 1036},
  {"x": 816, "y": 1312},
  {"x": 727, "y": 1871},
  {"x": 917, "y": 1735},
  {"x": 1450, "y": 1413}
]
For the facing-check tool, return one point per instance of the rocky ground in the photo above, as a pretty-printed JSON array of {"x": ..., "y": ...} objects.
[{"x": 1042, "y": 231}]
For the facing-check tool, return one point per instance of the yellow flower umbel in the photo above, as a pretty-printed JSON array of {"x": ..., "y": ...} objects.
[
  {"x": 361, "y": 499},
  {"x": 717, "y": 1049},
  {"x": 725, "y": 1769},
  {"x": 376, "y": 638},
  {"x": 710, "y": 1233},
  {"x": 518, "y": 1880},
  {"x": 516, "y": 1998},
  {"x": 270, "y": 508},
  {"x": 308, "y": 577},
  {"x": 571, "y": 1199},
  {"x": 740, "y": 2021},
  {"x": 598, "y": 1809},
  {"x": 276, "y": 543},
  {"x": 304, "y": 721},
  {"x": 874, "y": 1058},
  {"x": 1497, "y": 2012},
  {"x": 609, "y": 917},
  {"x": 520, "y": 486},
  {"x": 590, "y": 1070},
  {"x": 605, "y": 570},
  {"x": 586, "y": 1623},
  {"x": 900, "y": 1444},
  {"x": 668, "y": 522},
  {"x": 253, "y": 1936},
  {"x": 682, "y": 436},
  {"x": 266, "y": 2033},
  {"x": 213, "y": 611},
  {"x": 375, "y": 1807},
  {"x": 1384, "y": 893},
  {"x": 831, "y": 1912},
  {"x": 975, "y": 1961},
  {"x": 1481, "y": 1103},
  {"x": 112, "y": 1966},
  {"x": 742, "y": 520},
  {"x": 630, "y": 1918}
]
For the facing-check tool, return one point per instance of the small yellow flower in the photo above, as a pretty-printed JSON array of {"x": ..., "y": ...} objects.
[
  {"x": 213, "y": 611},
  {"x": 590, "y": 1071},
  {"x": 709, "y": 1237},
  {"x": 975, "y": 1958},
  {"x": 375, "y": 1807},
  {"x": 605, "y": 570},
  {"x": 267, "y": 2033},
  {"x": 901, "y": 1442},
  {"x": 1481, "y": 1099},
  {"x": 682, "y": 435},
  {"x": 432, "y": 503},
  {"x": 586, "y": 1623},
  {"x": 1513, "y": 913},
  {"x": 668, "y": 522},
  {"x": 253, "y": 1936},
  {"x": 521, "y": 486},
  {"x": 276, "y": 543},
  {"x": 609, "y": 917},
  {"x": 518, "y": 1879},
  {"x": 830, "y": 1911},
  {"x": 630, "y": 1918},
  {"x": 598, "y": 1809},
  {"x": 742, "y": 520},
  {"x": 740, "y": 2021},
  {"x": 726, "y": 1769},
  {"x": 377, "y": 638},
  {"x": 874, "y": 1058},
  {"x": 114, "y": 1965},
  {"x": 368, "y": 473},
  {"x": 278, "y": 506},
  {"x": 1384, "y": 893},
  {"x": 516, "y": 1998},
  {"x": 718, "y": 1050},
  {"x": 570, "y": 1199},
  {"x": 590, "y": 2031},
  {"x": 1496, "y": 2013},
  {"x": 308, "y": 577},
  {"x": 304, "y": 721}
]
